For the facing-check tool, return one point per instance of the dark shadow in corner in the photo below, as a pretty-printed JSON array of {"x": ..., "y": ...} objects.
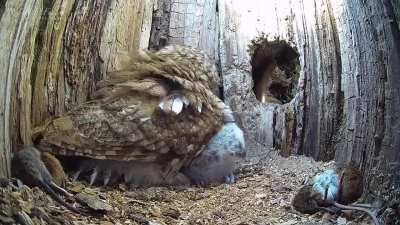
[{"x": 275, "y": 70}]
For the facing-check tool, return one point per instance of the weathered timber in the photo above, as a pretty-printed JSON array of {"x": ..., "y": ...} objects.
[
  {"x": 369, "y": 135},
  {"x": 347, "y": 102},
  {"x": 19, "y": 25}
]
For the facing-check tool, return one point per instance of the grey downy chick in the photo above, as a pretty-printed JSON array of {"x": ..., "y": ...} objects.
[{"x": 220, "y": 157}]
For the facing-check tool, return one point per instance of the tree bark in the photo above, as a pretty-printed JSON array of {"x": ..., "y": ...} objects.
[
  {"x": 18, "y": 25},
  {"x": 371, "y": 64}
]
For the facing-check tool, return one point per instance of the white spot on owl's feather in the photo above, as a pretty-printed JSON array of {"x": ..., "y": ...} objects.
[
  {"x": 185, "y": 101},
  {"x": 174, "y": 103},
  {"x": 177, "y": 105},
  {"x": 145, "y": 119},
  {"x": 199, "y": 108}
]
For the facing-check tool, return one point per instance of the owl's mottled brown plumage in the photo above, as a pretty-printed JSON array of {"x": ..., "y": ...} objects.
[{"x": 159, "y": 109}]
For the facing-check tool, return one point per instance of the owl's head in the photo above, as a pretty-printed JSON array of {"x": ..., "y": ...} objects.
[{"x": 192, "y": 64}]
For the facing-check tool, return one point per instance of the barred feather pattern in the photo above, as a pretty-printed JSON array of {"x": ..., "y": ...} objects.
[{"x": 136, "y": 116}]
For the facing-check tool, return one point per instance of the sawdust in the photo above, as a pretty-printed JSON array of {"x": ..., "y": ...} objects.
[{"x": 261, "y": 195}]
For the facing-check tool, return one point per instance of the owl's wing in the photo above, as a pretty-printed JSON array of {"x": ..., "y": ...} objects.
[{"x": 157, "y": 109}]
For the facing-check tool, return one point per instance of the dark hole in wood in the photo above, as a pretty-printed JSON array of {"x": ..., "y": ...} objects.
[
  {"x": 275, "y": 70},
  {"x": 280, "y": 92}
]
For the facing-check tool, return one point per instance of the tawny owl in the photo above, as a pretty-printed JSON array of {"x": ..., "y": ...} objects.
[{"x": 150, "y": 123}]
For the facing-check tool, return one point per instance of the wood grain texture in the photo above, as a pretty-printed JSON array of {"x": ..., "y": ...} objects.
[
  {"x": 127, "y": 28},
  {"x": 18, "y": 27},
  {"x": 47, "y": 100},
  {"x": 371, "y": 59},
  {"x": 269, "y": 125}
]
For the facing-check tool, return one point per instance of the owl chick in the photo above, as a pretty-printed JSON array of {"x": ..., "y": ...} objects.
[
  {"x": 221, "y": 156},
  {"x": 146, "y": 122}
]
